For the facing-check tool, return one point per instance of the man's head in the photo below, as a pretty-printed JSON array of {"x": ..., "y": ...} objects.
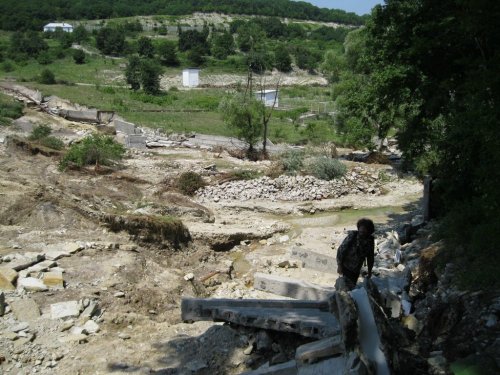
[{"x": 365, "y": 227}]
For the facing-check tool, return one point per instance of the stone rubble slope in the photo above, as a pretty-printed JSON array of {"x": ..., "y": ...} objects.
[{"x": 294, "y": 188}]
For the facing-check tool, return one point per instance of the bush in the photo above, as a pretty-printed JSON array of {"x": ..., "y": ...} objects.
[
  {"x": 45, "y": 58},
  {"x": 47, "y": 77},
  {"x": 39, "y": 132},
  {"x": 94, "y": 149},
  {"x": 79, "y": 56},
  {"x": 189, "y": 182},
  {"x": 245, "y": 174},
  {"x": 11, "y": 109},
  {"x": 326, "y": 168},
  {"x": 52, "y": 142},
  {"x": 7, "y": 66},
  {"x": 292, "y": 161}
]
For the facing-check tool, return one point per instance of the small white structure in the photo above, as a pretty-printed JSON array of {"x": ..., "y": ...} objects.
[
  {"x": 191, "y": 77},
  {"x": 53, "y": 26},
  {"x": 268, "y": 97}
]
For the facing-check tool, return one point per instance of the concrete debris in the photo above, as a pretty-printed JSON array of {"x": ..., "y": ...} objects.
[
  {"x": 53, "y": 280},
  {"x": 62, "y": 310},
  {"x": 20, "y": 327},
  {"x": 189, "y": 276},
  {"x": 313, "y": 260},
  {"x": 25, "y": 309},
  {"x": 32, "y": 284},
  {"x": 91, "y": 327},
  {"x": 319, "y": 350},
  {"x": 287, "y": 368},
  {"x": 7, "y": 278},
  {"x": 293, "y": 288}
]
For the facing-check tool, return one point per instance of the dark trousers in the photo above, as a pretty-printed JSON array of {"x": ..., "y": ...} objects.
[{"x": 351, "y": 277}]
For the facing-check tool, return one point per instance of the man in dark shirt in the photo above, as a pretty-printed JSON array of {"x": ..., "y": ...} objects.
[{"x": 356, "y": 247}]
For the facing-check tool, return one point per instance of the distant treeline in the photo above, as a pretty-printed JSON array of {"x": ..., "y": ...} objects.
[{"x": 33, "y": 14}]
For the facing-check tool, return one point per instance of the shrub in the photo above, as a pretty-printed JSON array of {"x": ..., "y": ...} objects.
[
  {"x": 292, "y": 161},
  {"x": 79, "y": 56},
  {"x": 45, "y": 58},
  {"x": 39, "y": 132},
  {"x": 47, "y": 77},
  {"x": 52, "y": 142},
  {"x": 7, "y": 66},
  {"x": 327, "y": 168},
  {"x": 189, "y": 182},
  {"x": 11, "y": 109},
  {"x": 94, "y": 149},
  {"x": 245, "y": 174}
]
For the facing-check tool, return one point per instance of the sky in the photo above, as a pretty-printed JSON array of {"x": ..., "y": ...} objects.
[{"x": 357, "y": 6}]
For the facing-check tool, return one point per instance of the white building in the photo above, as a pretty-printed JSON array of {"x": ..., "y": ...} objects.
[
  {"x": 268, "y": 97},
  {"x": 191, "y": 77},
  {"x": 53, "y": 26}
]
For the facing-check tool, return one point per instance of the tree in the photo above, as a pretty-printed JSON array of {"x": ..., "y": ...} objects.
[
  {"x": 195, "y": 56},
  {"x": 79, "y": 56},
  {"x": 110, "y": 41},
  {"x": 145, "y": 47},
  {"x": 150, "y": 77},
  {"x": 222, "y": 45},
  {"x": 242, "y": 114},
  {"x": 133, "y": 73},
  {"x": 283, "y": 61},
  {"x": 167, "y": 53},
  {"x": 332, "y": 66},
  {"x": 250, "y": 35},
  {"x": 80, "y": 34}
]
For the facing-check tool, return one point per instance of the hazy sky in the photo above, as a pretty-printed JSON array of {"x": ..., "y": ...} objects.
[{"x": 357, "y": 6}]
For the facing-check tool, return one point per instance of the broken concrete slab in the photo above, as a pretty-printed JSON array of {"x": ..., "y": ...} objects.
[
  {"x": 40, "y": 267},
  {"x": 7, "y": 278},
  {"x": 305, "y": 322},
  {"x": 53, "y": 280},
  {"x": 348, "y": 317},
  {"x": 287, "y": 368},
  {"x": 25, "y": 310},
  {"x": 201, "y": 308},
  {"x": 319, "y": 350},
  {"x": 332, "y": 366},
  {"x": 293, "y": 288},
  {"x": 61, "y": 310},
  {"x": 23, "y": 261},
  {"x": 126, "y": 127},
  {"x": 32, "y": 284},
  {"x": 315, "y": 261},
  {"x": 55, "y": 254},
  {"x": 136, "y": 141},
  {"x": 80, "y": 116}
]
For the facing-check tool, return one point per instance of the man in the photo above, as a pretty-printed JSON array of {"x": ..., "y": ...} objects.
[{"x": 356, "y": 247}]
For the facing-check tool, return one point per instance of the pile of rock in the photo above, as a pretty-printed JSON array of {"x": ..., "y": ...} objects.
[{"x": 293, "y": 188}]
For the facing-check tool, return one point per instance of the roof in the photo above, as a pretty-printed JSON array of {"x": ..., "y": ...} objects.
[
  {"x": 58, "y": 24},
  {"x": 265, "y": 92},
  {"x": 192, "y": 69}
]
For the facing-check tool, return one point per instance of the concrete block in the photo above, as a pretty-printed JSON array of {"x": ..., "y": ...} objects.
[
  {"x": 80, "y": 116},
  {"x": 310, "y": 259},
  {"x": 21, "y": 262},
  {"x": 304, "y": 321},
  {"x": 54, "y": 280},
  {"x": 25, "y": 310},
  {"x": 7, "y": 278},
  {"x": 61, "y": 310},
  {"x": 293, "y": 288},
  {"x": 125, "y": 127},
  {"x": 318, "y": 350},
  {"x": 55, "y": 254},
  {"x": 348, "y": 316},
  {"x": 332, "y": 366},
  {"x": 287, "y": 368},
  {"x": 32, "y": 284},
  {"x": 136, "y": 141},
  {"x": 196, "y": 309}
]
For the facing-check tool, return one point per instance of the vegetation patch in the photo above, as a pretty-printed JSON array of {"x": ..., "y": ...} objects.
[
  {"x": 188, "y": 182},
  {"x": 32, "y": 147},
  {"x": 326, "y": 168},
  {"x": 161, "y": 230}
]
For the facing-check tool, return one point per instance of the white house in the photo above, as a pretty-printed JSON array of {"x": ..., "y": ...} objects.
[
  {"x": 191, "y": 77},
  {"x": 58, "y": 25},
  {"x": 268, "y": 97}
]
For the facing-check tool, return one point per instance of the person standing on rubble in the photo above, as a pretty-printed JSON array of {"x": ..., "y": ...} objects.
[{"x": 356, "y": 247}]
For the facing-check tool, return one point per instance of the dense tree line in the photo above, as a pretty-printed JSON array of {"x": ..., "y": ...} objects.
[
  {"x": 431, "y": 69},
  {"x": 29, "y": 14}
]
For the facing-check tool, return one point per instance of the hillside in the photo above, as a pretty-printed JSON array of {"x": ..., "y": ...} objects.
[{"x": 26, "y": 14}]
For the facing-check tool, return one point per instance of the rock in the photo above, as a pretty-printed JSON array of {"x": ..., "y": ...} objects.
[
  {"x": 91, "y": 327},
  {"x": 189, "y": 276},
  {"x": 10, "y": 336},
  {"x": 78, "y": 331},
  {"x": 284, "y": 239},
  {"x": 249, "y": 349},
  {"x": 7, "y": 278},
  {"x": 56, "y": 254},
  {"x": 23, "y": 326},
  {"x": 23, "y": 261},
  {"x": 32, "y": 284},
  {"x": 66, "y": 325},
  {"x": 81, "y": 338},
  {"x": 61, "y": 310},
  {"x": 25, "y": 309},
  {"x": 40, "y": 267},
  {"x": 196, "y": 365},
  {"x": 54, "y": 280},
  {"x": 119, "y": 295},
  {"x": 263, "y": 341},
  {"x": 124, "y": 336},
  {"x": 90, "y": 310}
]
